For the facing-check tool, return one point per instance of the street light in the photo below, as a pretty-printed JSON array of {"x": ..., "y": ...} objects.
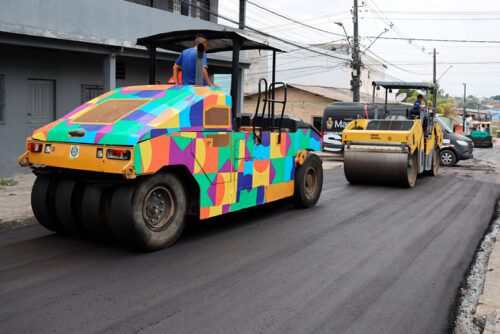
[
  {"x": 340, "y": 24},
  {"x": 444, "y": 72}
]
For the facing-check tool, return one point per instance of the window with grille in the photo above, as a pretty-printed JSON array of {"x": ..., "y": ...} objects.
[
  {"x": 176, "y": 6},
  {"x": 204, "y": 9},
  {"x": 90, "y": 92},
  {"x": 2, "y": 99},
  {"x": 120, "y": 70}
]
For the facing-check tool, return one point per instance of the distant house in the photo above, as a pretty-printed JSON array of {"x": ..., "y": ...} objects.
[{"x": 307, "y": 102}]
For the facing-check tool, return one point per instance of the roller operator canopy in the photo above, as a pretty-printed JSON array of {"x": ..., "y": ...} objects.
[
  {"x": 220, "y": 40},
  {"x": 403, "y": 85}
]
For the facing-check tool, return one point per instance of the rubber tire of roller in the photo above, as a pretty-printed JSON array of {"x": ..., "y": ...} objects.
[
  {"x": 300, "y": 197},
  {"x": 68, "y": 197},
  {"x": 43, "y": 203},
  {"x": 96, "y": 203},
  {"x": 127, "y": 213}
]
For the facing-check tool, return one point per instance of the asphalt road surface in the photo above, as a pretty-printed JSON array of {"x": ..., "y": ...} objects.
[{"x": 364, "y": 260}]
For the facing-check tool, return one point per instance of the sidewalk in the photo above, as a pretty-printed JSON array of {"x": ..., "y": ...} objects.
[
  {"x": 15, "y": 202},
  {"x": 488, "y": 308}
]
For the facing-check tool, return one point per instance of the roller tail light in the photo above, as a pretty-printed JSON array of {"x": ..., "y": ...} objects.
[
  {"x": 117, "y": 154},
  {"x": 34, "y": 147}
]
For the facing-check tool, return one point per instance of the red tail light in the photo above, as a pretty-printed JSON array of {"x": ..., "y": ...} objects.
[
  {"x": 322, "y": 133},
  {"x": 118, "y": 154},
  {"x": 34, "y": 147}
]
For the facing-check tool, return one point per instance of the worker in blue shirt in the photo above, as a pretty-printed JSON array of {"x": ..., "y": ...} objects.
[
  {"x": 187, "y": 64},
  {"x": 418, "y": 106},
  {"x": 419, "y": 103}
]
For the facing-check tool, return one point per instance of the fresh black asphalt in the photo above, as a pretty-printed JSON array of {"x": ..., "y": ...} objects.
[{"x": 364, "y": 260}]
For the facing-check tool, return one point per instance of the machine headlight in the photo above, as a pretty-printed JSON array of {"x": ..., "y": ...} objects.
[{"x": 462, "y": 142}]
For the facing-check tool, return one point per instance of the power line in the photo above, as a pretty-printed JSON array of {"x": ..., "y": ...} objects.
[
  {"x": 451, "y": 63},
  {"x": 292, "y": 20},
  {"x": 396, "y": 66},
  {"x": 384, "y": 18},
  {"x": 451, "y": 13},
  {"x": 410, "y": 39},
  {"x": 264, "y": 33},
  {"x": 435, "y": 18}
]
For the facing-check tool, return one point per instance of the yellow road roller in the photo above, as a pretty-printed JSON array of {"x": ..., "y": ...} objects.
[{"x": 401, "y": 141}]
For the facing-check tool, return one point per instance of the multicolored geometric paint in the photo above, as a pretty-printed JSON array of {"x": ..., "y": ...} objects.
[
  {"x": 166, "y": 109},
  {"x": 234, "y": 176},
  {"x": 174, "y": 126}
]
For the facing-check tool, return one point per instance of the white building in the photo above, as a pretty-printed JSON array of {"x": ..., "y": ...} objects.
[{"x": 308, "y": 68}]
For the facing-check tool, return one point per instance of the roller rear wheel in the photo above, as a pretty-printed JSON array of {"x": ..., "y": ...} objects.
[
  {"x": 150, "y": 214},
  {"x": 308, "y": 182},
  {"x": 43, "y": 203},
  {"x": 95, "y": 211},
  {"x": 68, "y": 198}
]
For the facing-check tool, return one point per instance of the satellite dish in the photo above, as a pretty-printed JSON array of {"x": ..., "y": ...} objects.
[{"x": 401, "y": 97}]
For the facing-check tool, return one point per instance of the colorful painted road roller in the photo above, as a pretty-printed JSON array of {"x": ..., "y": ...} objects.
[{"x": 133, "y": 163}]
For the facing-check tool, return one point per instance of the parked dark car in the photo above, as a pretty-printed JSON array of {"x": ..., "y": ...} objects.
[{"x": 455, "y": 147}]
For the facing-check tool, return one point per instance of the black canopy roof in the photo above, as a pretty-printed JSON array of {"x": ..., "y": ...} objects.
[
  {"x": 219, "y": 40},
  {"x": 402, "y": 85}
]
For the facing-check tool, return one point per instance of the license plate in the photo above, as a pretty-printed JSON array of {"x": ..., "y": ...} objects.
[{"x": 74, "y": 151}]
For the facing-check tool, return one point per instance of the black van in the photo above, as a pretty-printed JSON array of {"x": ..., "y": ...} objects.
[
  {"x": 335, "y": 118},
  {"x": 455, "y": 147}
]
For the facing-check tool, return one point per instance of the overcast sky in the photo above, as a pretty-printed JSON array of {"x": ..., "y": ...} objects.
[{"x": 443, "y": 19}]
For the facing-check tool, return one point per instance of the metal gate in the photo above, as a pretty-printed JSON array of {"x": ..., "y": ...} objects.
[{"x": 41, "y": 103}]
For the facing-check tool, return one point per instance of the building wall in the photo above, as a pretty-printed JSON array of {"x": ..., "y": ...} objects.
[
  {"x": 68, "y": 42},
  {"x": 69, "y": 70},
  {"x": 301, "y": 104},
  {"x": 110, "y": 22}
]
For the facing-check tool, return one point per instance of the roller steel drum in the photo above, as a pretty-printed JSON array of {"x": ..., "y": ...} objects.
[{"x": 375, "y": 167}]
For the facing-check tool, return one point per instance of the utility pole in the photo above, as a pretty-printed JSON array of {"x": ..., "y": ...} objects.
[
  {"x": 434, "y": 80},
  {"x": 243, "y": 5},
  {"x": 465, "y": 101},
  {"x": 356, "y": 61},
  {"x": 434, "y": 69}
]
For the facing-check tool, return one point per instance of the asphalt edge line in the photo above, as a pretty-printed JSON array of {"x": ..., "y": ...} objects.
[{"x": 461, "y": 316}]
